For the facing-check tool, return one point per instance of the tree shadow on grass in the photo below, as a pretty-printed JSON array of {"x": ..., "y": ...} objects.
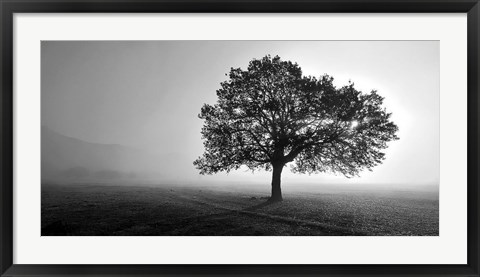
[{"x": 259, "y": 206}]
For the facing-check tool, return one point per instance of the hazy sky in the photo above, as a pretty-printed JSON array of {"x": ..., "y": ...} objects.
[{"x": 147, "y": 94}]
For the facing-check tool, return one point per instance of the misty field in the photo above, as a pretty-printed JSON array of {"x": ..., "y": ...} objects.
[{"x": 127, "y": 210}]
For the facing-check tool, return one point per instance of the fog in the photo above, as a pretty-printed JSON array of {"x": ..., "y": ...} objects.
[{"x": 127, "y": 111}]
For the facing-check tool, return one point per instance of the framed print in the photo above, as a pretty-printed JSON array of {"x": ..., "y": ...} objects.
[{"x": 240, "y": 137}]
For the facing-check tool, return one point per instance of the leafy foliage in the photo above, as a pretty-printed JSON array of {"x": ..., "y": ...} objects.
[{"x": 270, "y": 115}]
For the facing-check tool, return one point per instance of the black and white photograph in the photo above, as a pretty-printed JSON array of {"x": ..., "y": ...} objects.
[{"x": 240, "y": 138}]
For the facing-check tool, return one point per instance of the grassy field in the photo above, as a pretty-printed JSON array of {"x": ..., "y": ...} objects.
[{"x": 105, "y": 210}]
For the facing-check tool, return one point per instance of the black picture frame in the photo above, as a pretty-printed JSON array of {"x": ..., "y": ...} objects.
[{"x": 10, "y": 7}]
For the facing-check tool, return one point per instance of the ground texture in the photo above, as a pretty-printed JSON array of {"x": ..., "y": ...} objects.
[{"x": 109, "y": 210}]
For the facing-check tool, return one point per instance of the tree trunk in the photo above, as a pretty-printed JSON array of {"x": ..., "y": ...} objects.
[{"x": 276, "y": 178}]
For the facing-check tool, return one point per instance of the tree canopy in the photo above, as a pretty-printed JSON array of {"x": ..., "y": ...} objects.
[{"x": 270, "y": 114}]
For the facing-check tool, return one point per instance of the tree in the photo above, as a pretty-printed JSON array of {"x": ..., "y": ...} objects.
[{"x": 270, "y": 115}]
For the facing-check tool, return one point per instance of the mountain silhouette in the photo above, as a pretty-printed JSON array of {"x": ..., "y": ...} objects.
[{"x": 68, "y": 158}]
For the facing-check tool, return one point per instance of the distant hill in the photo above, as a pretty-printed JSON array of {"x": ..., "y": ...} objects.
[{"x": 67, "y": 158}]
